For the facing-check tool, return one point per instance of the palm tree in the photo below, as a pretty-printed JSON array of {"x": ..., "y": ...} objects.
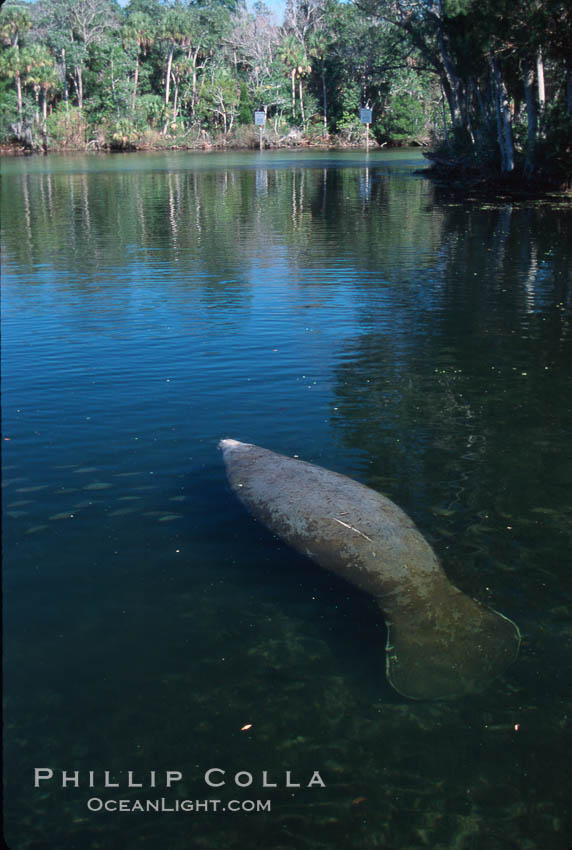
[
  {"x": 318, "y": 47},
  {"x": 138, "y": 28},
  {"x": 36, "y": 63},
  {"x": 13, "y": 21},
  {"x": 290, "y": 54},
  {"x": 11, "y": 67},
  {"x": 303, "y": 70},
  {"x": 174, "y": 31}
]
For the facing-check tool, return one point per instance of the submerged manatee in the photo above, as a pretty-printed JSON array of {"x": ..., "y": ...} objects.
[{"x": 440, "y": 642}]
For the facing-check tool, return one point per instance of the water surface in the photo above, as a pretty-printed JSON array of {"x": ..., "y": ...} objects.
[{"x": 331, "y": 306}]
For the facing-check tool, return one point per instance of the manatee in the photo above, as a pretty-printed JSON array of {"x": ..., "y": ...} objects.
[{"x": 441, "y": 643}]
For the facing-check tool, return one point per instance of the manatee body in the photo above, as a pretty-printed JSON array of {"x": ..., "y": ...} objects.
[{"x": 441, "y": 643}]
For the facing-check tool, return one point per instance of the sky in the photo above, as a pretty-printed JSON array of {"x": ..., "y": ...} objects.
[{"x": 277, "y": 6}]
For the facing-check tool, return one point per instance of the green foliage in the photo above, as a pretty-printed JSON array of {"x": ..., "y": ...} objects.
[
  {"x": 402, "y": 121},
  {"x": 554, "y": 147},
  {"x": 8, "y": 110},
  {"x": 121, "y": 134},
  {"x": 187, "y": 69},
  {"x": 150, "y": 111},
  {"x": 350, "y": 128},
  {"x": 244, "y": 106},
  {"x": 67, "y": 127}
]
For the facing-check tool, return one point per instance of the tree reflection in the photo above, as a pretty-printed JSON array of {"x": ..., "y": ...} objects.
[{"x": 449, "y": 390}]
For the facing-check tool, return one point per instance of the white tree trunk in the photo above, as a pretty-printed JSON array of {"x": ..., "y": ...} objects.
[
  {"x": 540, "y": 78},
  {"x": 504, "y": 120},
  {"x": 168, "y": 74},
  {"x": 135, "y": 80},
  {"x": 325, "y": 101}
]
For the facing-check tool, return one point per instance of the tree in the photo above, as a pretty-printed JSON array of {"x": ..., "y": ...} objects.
[
  {"x": 292, "y": 55},
  {"x": 14, "y": 21},
  {"x": 12, "y": 67},
  {"x": 244, "y": 106},
  {"x": 70, "y": 28},
  {"x": 139, "y": 30}
]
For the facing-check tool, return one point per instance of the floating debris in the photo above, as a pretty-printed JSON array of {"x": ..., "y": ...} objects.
[
  {"x": 35, "y": 528},
  {"x": 439, "y": 511},
  {"x": 10, "y": 481}
]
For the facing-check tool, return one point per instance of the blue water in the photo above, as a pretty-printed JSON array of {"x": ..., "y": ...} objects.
[{"x": 331, "y": 306}]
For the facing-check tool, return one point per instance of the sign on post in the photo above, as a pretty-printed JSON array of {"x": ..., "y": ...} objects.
[
  {"x": 365, "y": 118},
  {"x": 260, "y": 121}
]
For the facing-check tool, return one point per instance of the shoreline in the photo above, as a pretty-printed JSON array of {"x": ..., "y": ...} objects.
[{"x": 448, "y": 178}]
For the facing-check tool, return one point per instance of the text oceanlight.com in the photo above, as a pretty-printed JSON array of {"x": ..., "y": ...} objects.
[{"x": 97, "y": 804}]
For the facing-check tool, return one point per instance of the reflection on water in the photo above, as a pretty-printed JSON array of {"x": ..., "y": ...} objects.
[{"x": 326, "y": 306}]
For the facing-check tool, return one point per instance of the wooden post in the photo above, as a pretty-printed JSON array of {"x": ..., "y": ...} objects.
[{"x": 367, "y": 137}]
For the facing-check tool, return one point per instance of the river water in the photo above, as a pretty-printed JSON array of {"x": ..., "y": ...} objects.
[{"x": 340, "y": 308}]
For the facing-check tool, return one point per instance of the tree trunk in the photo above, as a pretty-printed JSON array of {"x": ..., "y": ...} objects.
[
  {"x": 486, "y": 118},
  {"x": 540, "y": 79},
  {"x": 135, "y": 80},
  {"x": 452, "y": 89},
  {"x": 168, "y": 82},
  {"x": 65, "y": 76},
  {"x": 194, "y": 98},
  {"x": 18, "y": 82},
  {"x": 324, "y": 98},
  {"x": 37, "y": 100},
  {"x": 531, "y": 114},
  {"x": 446, "y": 132},
  {"x": 175, "y": 99},
  {"x": 293, "y": 77},
  {"x": 504, "y": 124},
  {"x": 45, "y": 117},
  {"x": 302, "y": 103},
  {"x": 78, "y": 82},
  {"x": 168, "y": 74}
]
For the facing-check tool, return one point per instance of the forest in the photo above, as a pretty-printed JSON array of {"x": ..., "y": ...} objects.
[{"x": 485, "y": 87}]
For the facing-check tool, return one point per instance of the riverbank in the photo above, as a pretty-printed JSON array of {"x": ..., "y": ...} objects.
[{"x": 240, "y": 138}]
